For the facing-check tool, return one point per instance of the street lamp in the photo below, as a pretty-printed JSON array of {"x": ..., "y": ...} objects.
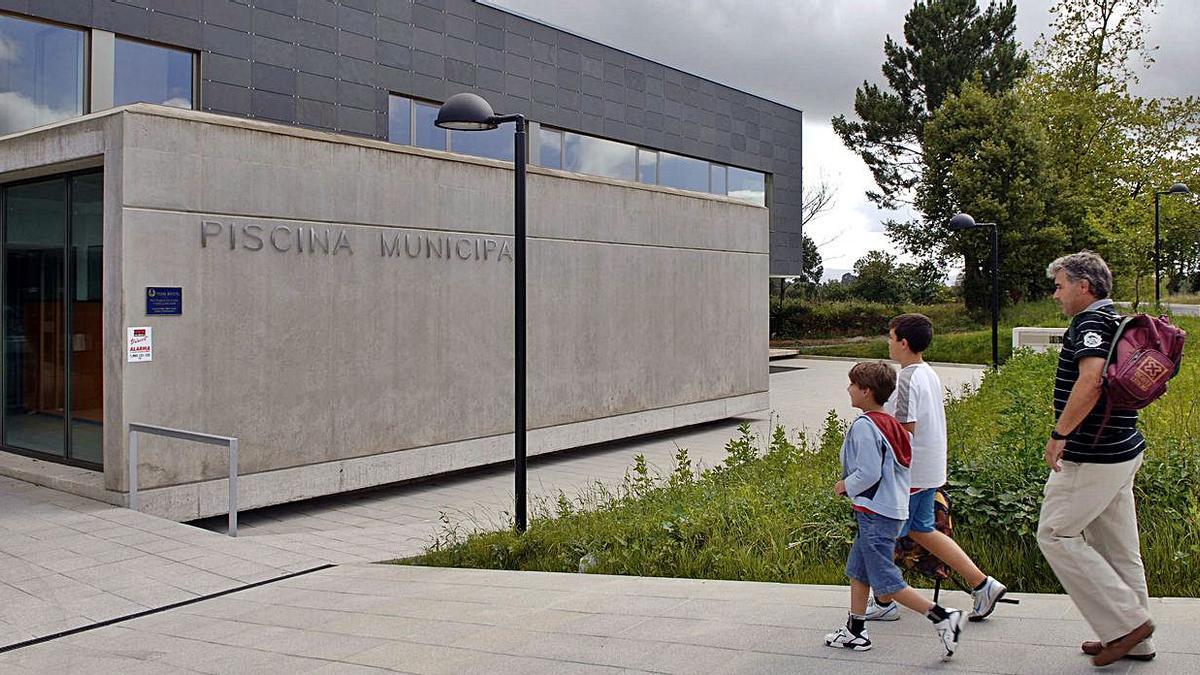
[
  {"x": 468, "y": 112},
  {"x": 964, "y": 221},
  {"x": 1176, "y": 189}
]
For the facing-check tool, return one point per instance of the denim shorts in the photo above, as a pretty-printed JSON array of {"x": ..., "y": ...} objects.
[
  {"x": 871, "y": 559},
  {"x": 920, "y": 512}
]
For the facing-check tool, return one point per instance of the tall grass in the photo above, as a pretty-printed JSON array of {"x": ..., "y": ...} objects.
[{"x": 768, "y": 513}]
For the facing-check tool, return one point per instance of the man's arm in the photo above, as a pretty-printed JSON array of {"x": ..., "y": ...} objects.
[
  {"x": 911, "y": 427},
  {"x": 1084, "y": 396}
]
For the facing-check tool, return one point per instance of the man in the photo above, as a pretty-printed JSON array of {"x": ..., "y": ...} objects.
[{"x": 1088, "y": 527}]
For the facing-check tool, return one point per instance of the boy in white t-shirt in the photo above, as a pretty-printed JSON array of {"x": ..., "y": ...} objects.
[{"x": 917, "y": 404}]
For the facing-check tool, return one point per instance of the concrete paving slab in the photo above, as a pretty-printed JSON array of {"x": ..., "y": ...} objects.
[{"x": 751, "y": 628}]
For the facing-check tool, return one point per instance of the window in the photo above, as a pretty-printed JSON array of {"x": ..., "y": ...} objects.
[
  {"x": 151, "y": 74},
  {"x": 399, "y": 119},
  {"x": 749, "y": 186},
  {"x": 587, "y": 154},
  {"x": 550, "y": 148},
  {"x": 494, "y": 143},
  {"x": 41, "y": 74},
  {"x": 716, "y": 181},
  {"x": 682, "y": 172},
  {"x": 647, "y": 166},
  {"x": 427, "y": 134}
]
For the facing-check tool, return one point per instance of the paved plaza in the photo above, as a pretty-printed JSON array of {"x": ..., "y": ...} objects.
[{"x": 67, "y": 562}]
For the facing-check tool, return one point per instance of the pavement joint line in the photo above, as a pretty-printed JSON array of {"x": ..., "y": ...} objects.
[{"x": 155, "y": 610}]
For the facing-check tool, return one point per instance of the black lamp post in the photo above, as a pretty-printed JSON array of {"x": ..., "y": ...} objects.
[
  {"x": 964, "y": 221},
  {"x": 1176, "y": 189},
  {"x": 468, "y": 112}
]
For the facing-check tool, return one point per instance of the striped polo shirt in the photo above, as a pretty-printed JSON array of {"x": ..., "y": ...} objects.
[{"x": 1091, "y": 334}]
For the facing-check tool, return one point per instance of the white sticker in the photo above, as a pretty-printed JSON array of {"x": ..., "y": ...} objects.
[
  {"x": 140, "y": 346},
  {"x": 1092, "y": 340}
]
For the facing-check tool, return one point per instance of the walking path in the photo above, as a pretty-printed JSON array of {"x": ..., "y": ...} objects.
[{"x": 383, "y": 618}]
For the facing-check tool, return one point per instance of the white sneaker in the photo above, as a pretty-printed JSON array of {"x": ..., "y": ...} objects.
[
  {"x": 842, "y": 638},
  {"x": 948, "y": 631},
  {"x": 986, "y": 599},
  {"x": 878, "y": 612}
]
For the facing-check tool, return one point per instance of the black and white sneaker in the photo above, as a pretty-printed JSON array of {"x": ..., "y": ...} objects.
[
  {"x": 986, "y": 599},
  {"x": 842, "y": 638},
  {"x": 878, "y": 612},
  {"x": 949, "y": 629}
]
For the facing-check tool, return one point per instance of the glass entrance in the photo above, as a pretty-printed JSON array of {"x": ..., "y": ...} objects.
[{"x": 52, "y": 359}]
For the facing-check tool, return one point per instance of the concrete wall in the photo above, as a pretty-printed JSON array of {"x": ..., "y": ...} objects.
[
  {"x": 330, "y": 64},
  {"x": 647, "y": 306}
]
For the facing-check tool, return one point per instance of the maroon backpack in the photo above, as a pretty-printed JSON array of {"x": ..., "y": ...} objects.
[{"x": 1146, "y": 352}]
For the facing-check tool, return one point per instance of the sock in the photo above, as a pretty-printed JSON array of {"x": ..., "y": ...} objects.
[
  {"x": 937, "y": 613},
  {"x": 883, "y": 604},
  {"x": 855, "y": 624},
  {"x": 982, "y": 584}
]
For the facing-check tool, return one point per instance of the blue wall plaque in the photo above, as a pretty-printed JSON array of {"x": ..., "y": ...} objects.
[{"x": 164, "y": 300}]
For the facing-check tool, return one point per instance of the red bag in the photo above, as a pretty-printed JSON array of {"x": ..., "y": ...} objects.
[{"x": 1145, "y": 354}]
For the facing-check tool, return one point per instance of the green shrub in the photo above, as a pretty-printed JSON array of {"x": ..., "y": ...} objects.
[{"x": 795, "y": 319}]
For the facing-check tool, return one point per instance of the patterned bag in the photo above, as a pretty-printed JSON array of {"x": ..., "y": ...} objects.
[{"x": 910, "y": 555}]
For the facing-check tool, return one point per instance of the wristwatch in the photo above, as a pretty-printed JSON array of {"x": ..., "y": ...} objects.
[{"x": 1057, "y": 436}]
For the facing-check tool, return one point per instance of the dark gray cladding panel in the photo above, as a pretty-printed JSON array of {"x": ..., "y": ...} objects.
[{"x": 329, "y": 64}]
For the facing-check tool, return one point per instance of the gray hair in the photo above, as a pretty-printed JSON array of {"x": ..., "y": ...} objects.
[{"x": 1085, "y": 266}]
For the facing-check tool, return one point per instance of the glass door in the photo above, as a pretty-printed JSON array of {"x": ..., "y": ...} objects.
[{"x": 52, "y": 317}]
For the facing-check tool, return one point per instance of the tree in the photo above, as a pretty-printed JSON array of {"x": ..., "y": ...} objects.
[
  {"x": 817, "y": 200},
  {"x": 813, "y": 267},
  {"x": 877, "y": 278},
  {"x": 987, "y": 156},
  {"x": 924, "y": 282},
  {"x": 947, "y": 42},
  {"x": 1113, "y": 149}
]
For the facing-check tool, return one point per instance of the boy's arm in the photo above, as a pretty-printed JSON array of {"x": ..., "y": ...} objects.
[{"x": 864, "y": 458}]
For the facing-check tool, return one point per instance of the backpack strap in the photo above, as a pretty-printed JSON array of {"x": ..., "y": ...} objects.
[
  {"x": 1112, "y": 351},
  {"x": 1112, "y": 348}
]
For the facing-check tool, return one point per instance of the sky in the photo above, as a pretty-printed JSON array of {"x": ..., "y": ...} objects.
[{"x": 813, "y": 54}]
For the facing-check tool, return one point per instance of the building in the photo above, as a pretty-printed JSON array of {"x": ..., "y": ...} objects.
[{"x": 324, "y": 274}]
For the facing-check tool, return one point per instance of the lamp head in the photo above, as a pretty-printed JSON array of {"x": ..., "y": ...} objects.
[
  {"x": 466, "y": 112},
  {"x": 1179, "y": 189},
  {"x": 961, "y": 221}
]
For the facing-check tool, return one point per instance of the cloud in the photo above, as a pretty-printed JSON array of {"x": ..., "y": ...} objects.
[
  {"x": 18, "y": 113},
  {"x": 8, "y": 49}
]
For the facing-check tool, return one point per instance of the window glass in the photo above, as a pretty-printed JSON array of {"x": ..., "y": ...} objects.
[
  {"x": 41, "y": 74},
  {"x": 35, "y": 319},
  {"x": 151, "y": 74},
  {"x": 682, "y": 172},
  {"x": 716, "y": 182},
  {"x": 749, "y": 186},
  {"x": 495, "y": 143},
  {"x": 428, "y": 134},
  {"x": 550, "y": 148},
  {"x": 86, "y": 261},
  {"x": 400, "y": 119},
  {"x": 587, "y": 154},
  {"x": 647, "y": 166}
]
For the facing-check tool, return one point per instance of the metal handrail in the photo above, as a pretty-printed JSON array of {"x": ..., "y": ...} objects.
[{"x": 210, "y": 439}]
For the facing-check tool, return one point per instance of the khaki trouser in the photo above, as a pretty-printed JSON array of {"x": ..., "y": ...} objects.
[{"x": 1088, "y": 533}]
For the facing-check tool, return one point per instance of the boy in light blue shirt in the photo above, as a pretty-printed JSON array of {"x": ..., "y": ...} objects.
[{"x": 875, "y": 476}]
